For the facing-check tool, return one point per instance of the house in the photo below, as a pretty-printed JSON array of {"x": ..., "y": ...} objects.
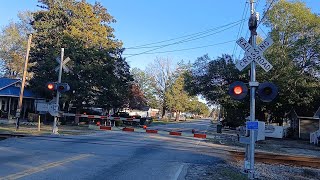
[
  {"x": 9, "y": 98},
  {"x": 144, "y": 112},
  {"x": 302, "y": 126}
]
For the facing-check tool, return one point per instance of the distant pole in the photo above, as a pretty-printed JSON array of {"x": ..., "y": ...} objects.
[
  {"x": 55, "y": 128},
  {"x": 23, "y": 83},
  {"x": 252, "y": 27},
  {"x": 39, "y": 122}
]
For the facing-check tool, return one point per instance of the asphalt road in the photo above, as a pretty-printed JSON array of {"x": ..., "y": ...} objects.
[
  {"x": 200, "y": 126},
  {"x": 105, "y": 155}
]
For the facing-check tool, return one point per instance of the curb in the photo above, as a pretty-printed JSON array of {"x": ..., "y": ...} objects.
[
  {"x": 128, "y": 129},
  {"x": 175, "y": 133},
  {"x": 105, "y": 128},
  {"x": 152, "y": 131},
  {"x": 203, "y": 136}
]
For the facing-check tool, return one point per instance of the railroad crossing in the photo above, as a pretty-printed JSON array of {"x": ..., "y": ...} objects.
[{"x": 254, "y": 54}]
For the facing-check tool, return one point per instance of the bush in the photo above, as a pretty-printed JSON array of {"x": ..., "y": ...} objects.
[{"x": 119, "y": 123}]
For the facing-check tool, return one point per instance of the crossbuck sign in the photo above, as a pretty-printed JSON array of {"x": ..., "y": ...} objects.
[
  {"x": 254, "y": 54},
  {"x": 64, "y": 67}
]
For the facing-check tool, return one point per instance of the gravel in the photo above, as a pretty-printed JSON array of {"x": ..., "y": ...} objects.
[
  {"x": 234, "y": 171},
  {"x": 219, "y": 171},
  {"x": 281, "y": 172}
]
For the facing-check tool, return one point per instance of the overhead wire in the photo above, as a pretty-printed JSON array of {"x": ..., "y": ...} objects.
[
  {"x": 183, "y": 41},
  {"x": 159, "y": 52},
  {"x": 266, "y": 12},
  {"x": 193, "y": 34},
  {"x": 247, "y": 33},
  {"x": 245, "y": 9}
]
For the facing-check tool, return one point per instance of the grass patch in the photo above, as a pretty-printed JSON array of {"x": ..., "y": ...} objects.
[
  {"x": 45, "y": 129},
  {"x": 231, "y": 174}
]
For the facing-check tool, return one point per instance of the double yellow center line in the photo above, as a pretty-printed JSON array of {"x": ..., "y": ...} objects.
[{"x": 43, "y": 167}]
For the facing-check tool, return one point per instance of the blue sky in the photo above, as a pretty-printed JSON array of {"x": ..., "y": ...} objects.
[{"x": 146, "y": 21}]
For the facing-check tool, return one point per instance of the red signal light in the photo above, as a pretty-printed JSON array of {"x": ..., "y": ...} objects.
[
  {"x": 50, "y": 86},
  {"x": 237, "y": 90}
]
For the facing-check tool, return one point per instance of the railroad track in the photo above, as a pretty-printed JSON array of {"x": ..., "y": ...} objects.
[{"x": 270, "y": 158}]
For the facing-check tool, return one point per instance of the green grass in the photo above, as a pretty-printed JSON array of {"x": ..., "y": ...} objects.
[
  {"x": 45, "y": 129},
  {"x": 231, "y": 174}
]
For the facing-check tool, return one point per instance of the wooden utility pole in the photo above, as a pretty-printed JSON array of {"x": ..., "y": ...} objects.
[{"x": 23, "y": 82}]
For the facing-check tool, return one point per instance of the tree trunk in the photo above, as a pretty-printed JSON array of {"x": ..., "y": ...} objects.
[
  {"x": 177, "y": 115},
  {"x": 76, "y": 118},
  {"x": 163, "y": 112}
]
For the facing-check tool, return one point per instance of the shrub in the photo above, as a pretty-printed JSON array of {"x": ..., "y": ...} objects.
[{"x": 119, "y": 123}]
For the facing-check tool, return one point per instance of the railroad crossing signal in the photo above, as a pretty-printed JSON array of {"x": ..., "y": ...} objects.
[
  {"x": 254, "y": 54},
  {"x": 51, "y": 86},
  {"x": 63, "y": 87},
  {"x": 267, "y": 91},
  {"x": 238, "y": 90},
  {"x": 64, "y": 67},
  {"x": 60, "y": 87}
]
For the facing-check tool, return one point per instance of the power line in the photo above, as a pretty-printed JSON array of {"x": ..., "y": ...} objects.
[
  {"x": 193, "y": 34},
  {"x": 257, "y": 4},
  {"x": 182, "y": 41},
  {"x": 266, "y": 12},
  {"x": 159, "y": 52},
  {"x": 263, "y": 31},
  {"x": 245, "y": 9}
]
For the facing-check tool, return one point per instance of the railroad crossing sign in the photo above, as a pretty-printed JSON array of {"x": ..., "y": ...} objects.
[
  {"x": 50, "y": 107},
  {"x": 254, "y": 54},
  {"x": 64, "y": 67},
  {"x": 53, "y": 109}
]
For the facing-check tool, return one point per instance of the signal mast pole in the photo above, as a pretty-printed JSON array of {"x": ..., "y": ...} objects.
[
  {"x": 253, "y": 84},
  {"x": 54, "y": 127}
]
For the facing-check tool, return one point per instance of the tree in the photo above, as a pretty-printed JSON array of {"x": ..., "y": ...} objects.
[
  {"x": 142, "y": 79},
  {"x": 295, "y": 57},
  {"x": 13, "y": 45},
  {"x": 200, "y": 108},
  {"x": 137, "y": 98},
  {"x": 161, "y": 73},
  {"x": 100, "y": 76},
  {"x": 211, "y": 79},
  {"x": 297, "y": 31},
  {"x": 177, "y": 98}
]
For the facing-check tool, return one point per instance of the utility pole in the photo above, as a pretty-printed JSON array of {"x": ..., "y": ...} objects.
[
  {"x": 54, "y": 127},
  {"x": 252, "y": 27},
  {"x": 23, "y": 83}
]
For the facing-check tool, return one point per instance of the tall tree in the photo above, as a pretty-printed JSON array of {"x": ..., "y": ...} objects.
[
  {"x": 211, "y": 79},
  {"x": 137, "y": 98},
  {"x": 296, "y": 30},
  {"x": 145, "y": 84},
  {"x": 13, "y": 45},
  {"x": 100, "y": 76},
  {"x": 178, "y": 100},
  {"x": 295, "y": 59},
  {"x": 161, "y": 73},
  {"x": 295, "y": 56}
]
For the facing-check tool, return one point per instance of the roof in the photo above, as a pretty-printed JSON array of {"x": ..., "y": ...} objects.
[
  {"x": 8, "y": 89},
  {"x": 13, "y": 91},
  {"x": 5, "y": 82}
]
